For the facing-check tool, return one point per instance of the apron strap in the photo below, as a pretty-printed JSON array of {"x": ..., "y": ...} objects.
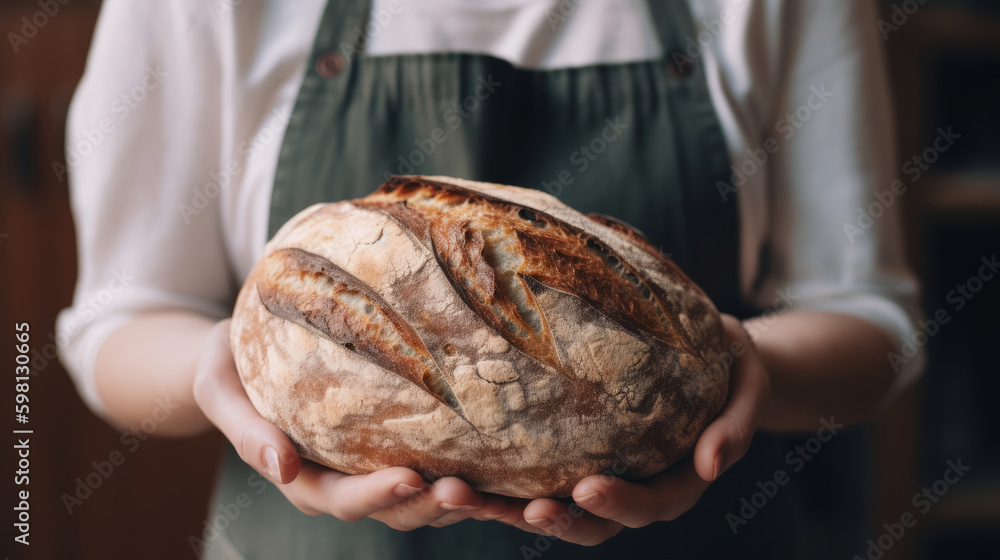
[
  {"x": 713, "y": 233},
  {"x": 347, "y": 35},
  {"x": 669, "y": 18},
  {"x": 333, "y": 51}
]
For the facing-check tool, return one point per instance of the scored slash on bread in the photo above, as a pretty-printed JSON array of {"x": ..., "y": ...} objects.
[
  {"x": 309, "y": 290},
  {"x": 491, "y": 249},
  {"x": 483, "y": 331}
]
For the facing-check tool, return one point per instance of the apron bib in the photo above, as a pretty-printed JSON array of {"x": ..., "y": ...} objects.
[{"x": 637, "y": 141}]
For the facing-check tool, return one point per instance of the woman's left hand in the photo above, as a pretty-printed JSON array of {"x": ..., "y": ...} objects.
[{"x": 606, "y": 504}]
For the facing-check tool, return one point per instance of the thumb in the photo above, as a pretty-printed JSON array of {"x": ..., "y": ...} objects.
[
  {"x": 220, "y": 394},
  {"x": 728, "y": 437}
]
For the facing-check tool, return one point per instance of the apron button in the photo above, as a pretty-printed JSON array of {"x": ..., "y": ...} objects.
[
  {"x": 680, "y": 65},
  {"x": 330, "y": 64}
]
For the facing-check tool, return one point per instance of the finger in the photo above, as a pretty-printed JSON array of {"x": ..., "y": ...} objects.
[
  {"x": 350, "y": 497},
  {"x": 445, "y": 496},
  {"x": 635, "y": 504},
  {"x": 515, "y": 517},
  {"x": 728, "y": 437},
  {"x": 494, "y": 506},
  {"x": 450, "y": 519},
  {"x": 220, "y": 395},
  {"x": 306, "y": 492},
  {"x": 570, "y": 523}
]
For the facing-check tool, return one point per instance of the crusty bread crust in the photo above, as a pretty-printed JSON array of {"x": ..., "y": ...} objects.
[{"x": 482, "y": 331}]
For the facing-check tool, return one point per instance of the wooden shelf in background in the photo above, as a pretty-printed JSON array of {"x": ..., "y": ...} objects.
[
  {"x": 952, "y": 27},
  {"x": 977, "y": 504},
  {"x": 960, "y": 194}
]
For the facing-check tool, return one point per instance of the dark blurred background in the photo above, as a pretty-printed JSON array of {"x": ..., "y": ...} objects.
[
  {"x": 944, "y": 59},
  {"x": 148, "y": 505}
]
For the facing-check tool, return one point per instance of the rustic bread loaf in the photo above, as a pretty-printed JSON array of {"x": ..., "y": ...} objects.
[{"x": 476, "y": 330}]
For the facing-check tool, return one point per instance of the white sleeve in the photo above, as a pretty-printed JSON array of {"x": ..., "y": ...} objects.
[
  {"x": 833, "y": 119},
  {"x": 143, "y": 132}
]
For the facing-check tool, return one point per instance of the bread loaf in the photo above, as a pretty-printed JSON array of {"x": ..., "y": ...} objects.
[{"x": 482, "y": 331}]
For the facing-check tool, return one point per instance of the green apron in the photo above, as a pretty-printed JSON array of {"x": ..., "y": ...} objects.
[{"x": 637, "y": 141}]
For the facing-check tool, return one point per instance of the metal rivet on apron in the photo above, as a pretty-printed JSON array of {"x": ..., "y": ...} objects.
[
  {"x": 680, "y": 65},
  {"x": 330, "y": 64}
]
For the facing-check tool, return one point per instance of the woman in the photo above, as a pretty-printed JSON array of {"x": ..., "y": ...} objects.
[{"x": 741, "y": 135}]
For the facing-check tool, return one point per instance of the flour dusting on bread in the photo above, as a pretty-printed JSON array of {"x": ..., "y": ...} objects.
[{"x": 482, "y": 331}]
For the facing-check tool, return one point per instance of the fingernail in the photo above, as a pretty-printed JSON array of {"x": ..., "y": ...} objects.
[
  {"x": 592, "y": 500},
  {"x": 489, "y": 516},
  {"x": 453, "y": 507},
  {"x": 272, "y": 463},
  {"x": 720, "y": 463},
  {"x": 405, "y": 490},
  {"x": 543, "y": 523}
]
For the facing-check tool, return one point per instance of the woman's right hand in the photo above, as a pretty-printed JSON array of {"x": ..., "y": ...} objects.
[{"x": 397, "y": 496}]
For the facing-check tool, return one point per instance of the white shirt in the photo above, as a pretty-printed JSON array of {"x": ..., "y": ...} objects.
[{"x": 174, "y": 132}]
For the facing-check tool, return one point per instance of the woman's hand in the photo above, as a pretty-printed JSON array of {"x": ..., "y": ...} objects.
[
  {"x": 610, "y": 504},
  {"x": 397, "y": 496},
  {"x": 401, "y": 499}
]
